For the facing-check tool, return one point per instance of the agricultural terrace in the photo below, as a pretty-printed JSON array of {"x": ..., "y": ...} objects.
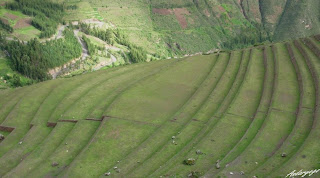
[{"x": 251, "y": 112}]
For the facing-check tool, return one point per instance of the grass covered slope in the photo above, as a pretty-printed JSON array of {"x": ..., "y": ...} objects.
[
  {"x": 252, "y": 111},
  {"x": 189, "y": 26}
]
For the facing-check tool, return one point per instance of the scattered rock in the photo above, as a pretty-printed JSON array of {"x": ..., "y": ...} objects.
[
  {"x": 256, "y": 163},
  {"x": 242, "y": 173},
  {"x": 118, "y": 170},
  {"x": 20, "y": 143},
  {"x": 218, "y": 164},
  {"x": 194, "y": 174},
  {"x": 66, "y": 143},
  {"x": 198, "y": 152},
  {"x": 107, "y": 174},
  {"x": 115, "y": 167},
  {"x": 227, "y": 165},
  {"x": 283, "y": 155},
  {"x": 231, "y": 173},
  {"x": 138, "y": 161},
  {"x": 254, "y": 177},
  {"x": 54, "y": 164},
  {"x": 67, "y": 151},
  {"x": 173, "y": 137},
  {"x": 2, "y": 137},
  {"x": 118, "y": 161},
  {"x": 190, "y": 161}
]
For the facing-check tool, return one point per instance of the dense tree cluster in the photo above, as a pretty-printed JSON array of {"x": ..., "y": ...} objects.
[
  {"x": 105, "y": 35},
  {"x": 34, "y": 59},
  {"x": 91, "y": 47},
  {"x": 46, "y": 14},
  {"x": 248, "y": 36},
  {"x": 137, "y": 54},
  {"x": 6, "y": 27}
]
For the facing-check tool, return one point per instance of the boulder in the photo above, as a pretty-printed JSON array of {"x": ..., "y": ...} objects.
[
  {"x": 218, "y": 164},
  {"x": 198, "y": 152},
  {"x": 190, "y": 161},
  {"x": 1, "y": 137},
  {"x": 194, "y": 174},
  {"x": 54, "y": 164}
]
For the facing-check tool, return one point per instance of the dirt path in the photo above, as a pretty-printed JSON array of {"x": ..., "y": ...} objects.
[{"x": 70, "y": 65}]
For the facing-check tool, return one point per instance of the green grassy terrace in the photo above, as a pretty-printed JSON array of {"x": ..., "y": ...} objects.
[{"x": 255, "y": 111}]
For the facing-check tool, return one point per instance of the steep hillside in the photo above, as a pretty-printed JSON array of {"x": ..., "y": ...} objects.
[
  {"x": 189, "y": 26},
  {"x": 251, "y": 112}
]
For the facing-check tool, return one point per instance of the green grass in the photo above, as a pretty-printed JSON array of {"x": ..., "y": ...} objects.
[
  {"x": 47, "y": 147},
  {"x": 25, "y": 33},
  {"x": 304, "y": 121},
  {"x": 279, "y": 122},
  {"x": 5, "y": 69},
  {"x": 63, "y": 154},
  {"x": 259, "y": 116},
  {"x": 244, "y": 108},
  {"x": 113, "y": 140},
  {"x": 305, "y": 158}
]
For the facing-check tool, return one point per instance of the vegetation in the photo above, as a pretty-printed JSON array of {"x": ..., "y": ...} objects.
[
  {"x": 6, "y": 27},
  {"x": 46, "y": 14},
  {"x": 184, "y": 117},
  {"x": 137, "y": 54},
  {"x": 33, "y": 59}
]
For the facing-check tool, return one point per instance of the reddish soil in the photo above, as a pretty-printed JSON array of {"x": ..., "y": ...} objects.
[
  {"x": 162, "y": 11},
  {"x": 206, "y": 12},
  {"x": 221, "y": 9},
  {"x": 26, "y": 22},
  {"x": 180, "y": 14},
  {"x": 11, "y": 16},
  {"x": 5, "y": 21},
  {"x": 6, "y": 129}
]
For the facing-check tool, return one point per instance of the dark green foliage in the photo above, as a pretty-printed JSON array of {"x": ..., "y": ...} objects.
[
  {"x": 105, "y": 35},
  {"x": 34, "y": 58},
  {"x": 47, "y": 15},
  {"x": 248, "y": 36},
  {"x": 190, "y": 161},
  {"x": 13, "y": 81},
  {"x": 137, "y": 54},
  {"x": 72, "y": 7},
  {"x": 6, "y": 27},
  {"x": 91, "y": 47},
  {"x": 16, "y": 82}
]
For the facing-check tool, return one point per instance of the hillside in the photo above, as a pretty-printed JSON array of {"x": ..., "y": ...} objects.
[
  {"x": 189, "y": 26},
  {"x": 37, "y": 43},
  {"x": 250, "y": 112}
]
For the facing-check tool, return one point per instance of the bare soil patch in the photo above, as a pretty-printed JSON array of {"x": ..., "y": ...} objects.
[
  {"x": 11, "y": 16},
  {"x": 26, "y": 22},
  {"x": 207, "y": 13},
  {"x": 162, "y": 11},
  {"x": 180, "y": 15},
  {"x": 221, "y": 9},
  {"x": 5, "y": 21}
]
